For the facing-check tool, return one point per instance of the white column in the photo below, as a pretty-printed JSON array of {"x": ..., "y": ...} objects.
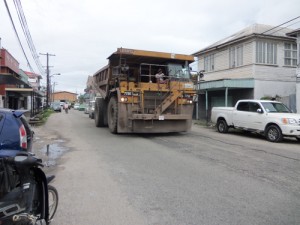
[
  {"x": 298, "y": 75},
  {"x": 298, "y": 89}
]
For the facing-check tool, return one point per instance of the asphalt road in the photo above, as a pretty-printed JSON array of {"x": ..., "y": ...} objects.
[{"x": 199, "y": 177}]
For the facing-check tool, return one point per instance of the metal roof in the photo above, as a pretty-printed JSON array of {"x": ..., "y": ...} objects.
[
  {"x": 294, "y": 33},
  {"x": 255, "y": 29},
  {"x": 139, "y": 56}
]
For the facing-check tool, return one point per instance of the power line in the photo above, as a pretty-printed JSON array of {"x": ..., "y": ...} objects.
[
  {"x": 221, "y": 54},
  {"x": 12, "y": 22},
  {"x": 281, "y": 24},
  {"x": 281, "y": 28},
  {"x": 27, "y": 34}
]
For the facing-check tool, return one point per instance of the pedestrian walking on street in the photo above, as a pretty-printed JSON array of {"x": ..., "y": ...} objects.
[{"x": 66, "y": 107}]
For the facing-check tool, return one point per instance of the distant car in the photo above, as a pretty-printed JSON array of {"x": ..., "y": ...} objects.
[
  {"x": 15, "y": 132},
  {"x": 91, "y": 109},
  {"x": 76, "y": 106},
  {"x": 56, "y": 106},
  {"x": 81, "y": 107}
]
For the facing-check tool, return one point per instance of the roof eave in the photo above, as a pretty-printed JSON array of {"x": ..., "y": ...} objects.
[{"x": 254, "y": 35}]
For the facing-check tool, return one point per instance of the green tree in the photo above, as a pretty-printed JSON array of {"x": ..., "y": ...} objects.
[{"x": 81, "y": 98}]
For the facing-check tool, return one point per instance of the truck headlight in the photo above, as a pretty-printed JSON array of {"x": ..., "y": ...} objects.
[
  {"x": 289, "y": 121},
  {"x": 124, "y": 99}
]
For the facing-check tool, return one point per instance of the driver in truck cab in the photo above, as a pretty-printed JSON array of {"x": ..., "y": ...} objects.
[{"x": 160, "y": 77}]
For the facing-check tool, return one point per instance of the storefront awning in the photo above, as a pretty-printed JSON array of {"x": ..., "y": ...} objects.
[
  {"x": 10, "y": 79},
  {"x": 20, "y": 91},
  {"x": 226, "y": 83}
]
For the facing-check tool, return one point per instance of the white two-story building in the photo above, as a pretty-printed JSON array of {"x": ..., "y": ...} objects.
[{"x": 257, "y": 62}]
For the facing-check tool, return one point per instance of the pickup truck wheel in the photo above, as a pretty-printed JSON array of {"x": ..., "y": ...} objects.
[
  {"x": 222, "y": 126},
  {"x": 112, "y": 113},
  {"x": 273, "y": 133}
]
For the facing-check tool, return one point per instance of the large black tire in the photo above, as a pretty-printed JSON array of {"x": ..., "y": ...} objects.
[
  {"x": 112, "y": 115},
  {"x": 273, "y": 133},
  {"x": 222, "y": 126},
  {"x": 100, "y": 113},
  {"x": 53, "y": 201}
]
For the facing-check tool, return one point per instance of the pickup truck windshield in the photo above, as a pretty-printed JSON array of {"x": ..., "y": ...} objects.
[{"x": 275, "y": 107}]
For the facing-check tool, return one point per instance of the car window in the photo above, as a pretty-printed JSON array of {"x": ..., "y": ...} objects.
[
  {"x": 275, "y": 107},
  {"x": 253, "y": 106},
  {"x": 243, "y": 106}
]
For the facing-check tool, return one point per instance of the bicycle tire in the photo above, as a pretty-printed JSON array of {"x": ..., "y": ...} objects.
[{"x": 53, "y": 201}]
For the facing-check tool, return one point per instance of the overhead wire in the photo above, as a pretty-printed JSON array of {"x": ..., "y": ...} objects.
[
  {"x": 27, "y": 34},
  {"x": 279, "y": 26},
  {"x": 16, "y": 33}
]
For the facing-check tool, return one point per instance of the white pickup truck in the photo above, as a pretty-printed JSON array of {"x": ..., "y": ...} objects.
[{"x": 270, "y": 118}]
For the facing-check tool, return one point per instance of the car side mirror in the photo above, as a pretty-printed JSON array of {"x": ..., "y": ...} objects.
[{"x": 259, "y": 111}]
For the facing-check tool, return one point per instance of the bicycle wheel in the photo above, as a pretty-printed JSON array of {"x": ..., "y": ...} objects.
[{"x": 53, "y": 201}]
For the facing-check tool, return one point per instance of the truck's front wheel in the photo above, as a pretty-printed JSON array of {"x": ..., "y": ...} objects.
[
  {"x": 112, "y": 112},
  {"x": 273, "y": 133},
  {"x": 222, "y": 126}
]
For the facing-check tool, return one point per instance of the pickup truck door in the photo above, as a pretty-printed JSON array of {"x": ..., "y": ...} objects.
[
  {"x": 240, "y": 115},
  {"x": 256, "y": 119},
  {"x": 246, "y": 116}
]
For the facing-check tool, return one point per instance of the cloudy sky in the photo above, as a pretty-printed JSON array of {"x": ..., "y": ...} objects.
[{"x": 83, "y": 33}]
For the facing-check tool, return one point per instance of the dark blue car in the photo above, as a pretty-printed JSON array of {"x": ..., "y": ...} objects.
[{"x": 15, "y": 132}]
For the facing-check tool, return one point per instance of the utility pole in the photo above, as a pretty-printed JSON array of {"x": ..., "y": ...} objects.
[{"x": 48, "y": 79}]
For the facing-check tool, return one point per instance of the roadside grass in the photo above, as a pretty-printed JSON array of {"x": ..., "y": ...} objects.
[
  {"x": 45, "y": 115},
  {"x": 41, "y": 118}
]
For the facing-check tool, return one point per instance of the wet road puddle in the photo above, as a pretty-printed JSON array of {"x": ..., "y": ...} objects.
[{"x": 51, "y": 153}]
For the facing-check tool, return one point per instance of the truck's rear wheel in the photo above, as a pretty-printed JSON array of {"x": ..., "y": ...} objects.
[
  {"x": 112, "y": 116},
  {"x": 222, "y": 126},
  {"x": 100, "y": 113},
  {"x": 273, "y": 133}
]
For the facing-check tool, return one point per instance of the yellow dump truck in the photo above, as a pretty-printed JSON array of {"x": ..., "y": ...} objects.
[{"x": 144, "y": 92}]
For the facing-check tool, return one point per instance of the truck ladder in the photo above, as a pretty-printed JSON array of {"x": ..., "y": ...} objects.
[
  {"x": 167, "y": 102},
  {"x": 139, "y": 108}
]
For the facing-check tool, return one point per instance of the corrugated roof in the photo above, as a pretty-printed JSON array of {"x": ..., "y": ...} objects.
[
  {"x": 255, "y": 29},
  {"x": 33, "y": 75},
  {"x": 294, "y": 33},
  {"x": 56, "y": 92}
]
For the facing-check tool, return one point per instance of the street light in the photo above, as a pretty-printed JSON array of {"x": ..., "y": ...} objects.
[{"x": 55, "y": 74}]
